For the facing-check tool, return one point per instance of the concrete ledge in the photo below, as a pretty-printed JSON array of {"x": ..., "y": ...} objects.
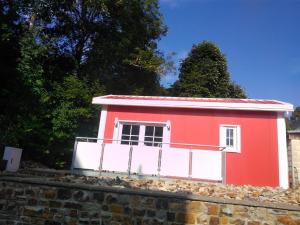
[{"x": 160, "y": 194}]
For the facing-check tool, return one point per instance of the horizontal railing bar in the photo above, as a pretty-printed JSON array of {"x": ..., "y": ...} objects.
[{"x": 171, "y": 143}]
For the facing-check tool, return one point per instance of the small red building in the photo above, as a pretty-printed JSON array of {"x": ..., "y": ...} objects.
[{"x": 235, "y": 141}]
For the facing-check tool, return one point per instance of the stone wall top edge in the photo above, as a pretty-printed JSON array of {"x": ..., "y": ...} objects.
[{"x": 150, "y": 193}]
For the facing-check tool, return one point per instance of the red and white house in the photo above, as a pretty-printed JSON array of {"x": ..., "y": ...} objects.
[{"x": 235, "y": 141}]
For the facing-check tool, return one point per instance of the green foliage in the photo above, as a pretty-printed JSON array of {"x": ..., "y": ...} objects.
[
  {"x": 56, "y": 55},
  {"x": 72, "y": 99},
  {"x": 294, "y": 121},
  {"x": 204, "y": 73}
]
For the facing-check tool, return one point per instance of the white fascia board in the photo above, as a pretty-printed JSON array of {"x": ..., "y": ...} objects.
[
  {"x": 284, "y": 107},
  {"x": 282, "y": 152},
  {"x": 102, "y": 123}
]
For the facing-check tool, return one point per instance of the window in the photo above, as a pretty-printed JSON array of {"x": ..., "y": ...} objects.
[
  {"x": 230, "y": 137},
  {"x": 130, "y": 134},
  {"x": 153, "y": 136},
  {"x": 142, "y": 134}
]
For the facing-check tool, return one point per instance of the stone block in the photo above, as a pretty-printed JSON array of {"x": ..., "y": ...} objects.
[
  {"x": 64, "y": 194},
  {"x": 73, "y": 213},
  {"x": 214, "y": 220},
  {"x": 19, "y": 191},
  {"x": 29, "y": 192},
  {"x": 124, "y": 200},
  {"x": 253, "y": 223},
  {"x": 287, "y": 220},
  {"x": 111, "y": 198},
  {"x": 177, "y": 206},
  {"x": 162, "y": 203},
  {"x": 72, "y": 205},
  {"x": 237, "y": 221},
  {"x": 161, "y": 215},
  {"x": 114, "y": 208},
  {"x": 81, "y": 196},
  {"x": 91, "y": 206},
  {"x": 84, "y": 214},
  {"x": 224, "y": 220},
  {"x": 49, "y": 194},
  {"x": 187, "y": 218},
  {"x": 32, "y": 202},
  {"x": 240, "y": 211},
  {"x": 49, "y": 222},
  {"x": 99, "y": 197},
  {"x": 151, "y": 213},
  {"x": 105, "y": 208},
  {"x": 135, "y": 201},
  {"x": 2, "y": 194},
  {"x": 194, "y": 206},
  {"x": 170, "y": 216},
  {"x": 47, "y": 214},
  {"x": 139, "y": 212},
  {"x": 55, "y": 204},
  {"x": 202, "y": 219},
  {"x": 32, "y": 211},
  {"x": 84, "y": 221},
  {"x": 95, "y": 222},
  {"x": 8, "y": 192},
  {"x": 213, "y": 209},
  {"x": 226, "y": 210}
]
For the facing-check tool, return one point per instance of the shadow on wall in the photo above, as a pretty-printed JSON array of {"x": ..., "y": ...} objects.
[{"x": 66, "y": 199}]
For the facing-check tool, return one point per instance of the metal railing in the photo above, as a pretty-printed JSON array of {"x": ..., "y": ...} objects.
[{"x": 190, "y": 147}]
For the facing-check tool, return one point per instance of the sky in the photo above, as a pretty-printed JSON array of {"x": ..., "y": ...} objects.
[{"x": 260, "y": 39}]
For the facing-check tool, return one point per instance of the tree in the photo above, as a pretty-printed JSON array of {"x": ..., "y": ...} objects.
[
  {"x": 204, "y": 73},
  {"x": 56, "y": 55},
  {"x": 108, "y": 41},
  {"x": 294, "y": 120},
  {"x": 13, "y": 92}
]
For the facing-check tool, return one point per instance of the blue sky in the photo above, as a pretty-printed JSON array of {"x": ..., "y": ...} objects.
[{"x": 260, "y": 38}]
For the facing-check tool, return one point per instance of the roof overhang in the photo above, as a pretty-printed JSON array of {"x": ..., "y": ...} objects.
[
  {"x": 294, "y": 131},
  {"x": 171, "y": 102}
]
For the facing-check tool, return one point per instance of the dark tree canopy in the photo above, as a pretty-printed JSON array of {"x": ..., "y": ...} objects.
[
  {"x": 204, "y": 73},
  {"x": 56, "y": 55},
  {"x": 294, "y": 122}
]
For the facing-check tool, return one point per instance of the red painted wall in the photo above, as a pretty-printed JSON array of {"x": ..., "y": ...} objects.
[{"x": 257, "y": 164}]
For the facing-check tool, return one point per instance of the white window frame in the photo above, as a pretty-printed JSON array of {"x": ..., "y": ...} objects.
[
  {"x": 236, "y": 137},
  {"x": 130, "y": 135},
  {"x": 118, "y": 127}
]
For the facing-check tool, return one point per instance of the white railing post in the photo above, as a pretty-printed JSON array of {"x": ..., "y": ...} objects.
[
  {"x": 190, "y": 163},
  {"x": 101, "y": 157},
  {"x": 130, "y": 159},
  {"x": 224, "y": 166},
  {"x": 159, "y": 161},
  {"x": 74, "y": 155}
]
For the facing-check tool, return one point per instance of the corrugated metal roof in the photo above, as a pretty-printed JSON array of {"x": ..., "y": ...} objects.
[
  {"x": 191, "y": 102},
  {"x": 192, "y": 99}
]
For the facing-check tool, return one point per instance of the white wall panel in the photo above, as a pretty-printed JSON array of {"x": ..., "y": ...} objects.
[
  {"x": 116, "y": 157},
  {"x": 175, "y": 162},
  {"x": 87, "y": 155},
  {"x": 207, "y": 165},
  {"x": 144, "y": 160}
]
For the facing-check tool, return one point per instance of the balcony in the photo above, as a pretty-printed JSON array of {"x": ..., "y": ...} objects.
[{"x": 180, "y": 160}]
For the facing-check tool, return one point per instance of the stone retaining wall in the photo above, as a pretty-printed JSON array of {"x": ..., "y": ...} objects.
[
  {"x": 294, "y": 157},
  {"x": 35, "y": 201}
]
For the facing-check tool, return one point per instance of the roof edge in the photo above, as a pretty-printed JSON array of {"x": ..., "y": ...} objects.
[{"x": 280, "y": 107}]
